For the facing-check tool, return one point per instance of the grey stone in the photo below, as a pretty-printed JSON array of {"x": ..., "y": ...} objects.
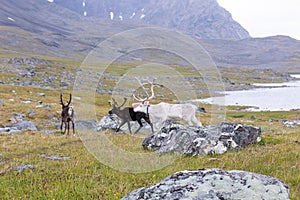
[
  {"x": 9, "y": 130},
  {"x": 24, "y": 125},
  {"x": 41, "y": 94},
  {"x": 1, "y": 103},
  {"x": 26, "y": 102},
  {"x": 108, "y": 122},
  {"x": 31, "y": 113},
  {"x": 55, "y": 157},
  {"x": 48, "y": 132},
  {"x": 16, "y": 117},
  {"x": 207, "y": 184},
  {"x": 86, "y": 125},
  {"x": 191, "y": 140},
  {"x": 291, "y": 123},
  {"x": 21, "y": 168}
]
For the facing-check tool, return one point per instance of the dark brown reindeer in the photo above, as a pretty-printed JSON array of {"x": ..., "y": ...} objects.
[
  {"x": 67, "y": 115},
  {"x": 127, "y": 114}
]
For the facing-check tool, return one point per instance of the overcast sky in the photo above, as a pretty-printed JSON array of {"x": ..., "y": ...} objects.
[{"x": 263, "y": 18}]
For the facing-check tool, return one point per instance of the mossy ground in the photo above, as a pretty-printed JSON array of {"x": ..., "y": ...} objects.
[{"x": 85, "y": 177}]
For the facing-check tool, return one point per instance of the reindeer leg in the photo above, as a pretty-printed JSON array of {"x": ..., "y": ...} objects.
[
  {"x": 73, "y": 125},
  {"x": 68, "y": 127},
  {"x": 61, "y": 126},
  {"x": 122, "y": 123},
  {"x": 149, "y": 122},
  {"x": 128, "y": 123},
  {"x": 65, "y": 123},
  {"x": 196, "y": 121},
  {"x": 151, "y": 127},
  {"x": 141, "y": 125}
]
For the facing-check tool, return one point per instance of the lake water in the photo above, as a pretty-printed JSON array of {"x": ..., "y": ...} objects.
[{"x": 276, "y": 97}]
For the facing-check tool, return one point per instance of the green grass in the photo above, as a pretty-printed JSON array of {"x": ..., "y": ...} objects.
[{"x": 85, "y": 177}]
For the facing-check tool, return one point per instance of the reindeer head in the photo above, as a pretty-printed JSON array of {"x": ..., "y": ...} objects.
[
  {"x": 67, "y": 110},
  {"x": 115, "y": 107},
  {"x": 62, "y": 103}
]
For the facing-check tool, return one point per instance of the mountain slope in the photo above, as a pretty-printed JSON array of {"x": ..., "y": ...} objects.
[
  {"x": 199, "y": 18},
  {"x": 41, "y": 28}
]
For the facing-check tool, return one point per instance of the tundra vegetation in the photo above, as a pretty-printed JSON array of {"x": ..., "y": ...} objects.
[{"x": 84, "y": 177}]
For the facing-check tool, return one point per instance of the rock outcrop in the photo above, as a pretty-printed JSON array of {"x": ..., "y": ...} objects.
[
  {"x": 112, "y": 123},
  {"x": 191, "y": 140},
  {"x": 200, "y": 18},
  {"x": 18, "y": 124},
  {"x": 214, "y": 184}
]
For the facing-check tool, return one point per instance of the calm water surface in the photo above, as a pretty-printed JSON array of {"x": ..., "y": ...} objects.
[{"x": 285, "y": 96}]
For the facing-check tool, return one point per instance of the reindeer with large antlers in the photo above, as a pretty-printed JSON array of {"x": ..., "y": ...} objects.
[
  {"x": 127, "y": 114},
  {"x": 162, "y": 112},
  {"x": 67, "y": 115}
]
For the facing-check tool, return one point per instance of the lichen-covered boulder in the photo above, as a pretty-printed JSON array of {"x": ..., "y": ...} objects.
[
  {"x": 86, "y": 124},
  {"x": 191, "y": 140},
  {"x": 112, "y": 122},
  {"x": 24, "y": 125},
  {"x": 216, "y": 184}
]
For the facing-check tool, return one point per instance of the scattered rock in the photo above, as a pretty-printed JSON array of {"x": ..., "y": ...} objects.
[
  {"x": 29, "y": 61},
  {"x": 55, "y": 157},
  {"x": 16, "y": 117},
  {"x": 9, "y": 130},
  {"x": 48, "y": 132},
  {"x": 86, "y": 124},
  {"x": 214, "y": 184},
  {"x": 47, "y": 107},
  {"x": 191, "y": 140},
  {"x": 291, "y": 123},
  {"x": 41, "y": 94},
  {"x": 26, "y": 102},
  {"x": 21, "y": 168},
  {"x": 23, "y": 126},
  {"x": 31, "y": 113}
]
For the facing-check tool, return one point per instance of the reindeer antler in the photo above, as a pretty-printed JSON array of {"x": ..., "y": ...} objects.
[
  {"x": 70, "y": 100},
  {"x": 61, "y": 100},
  {"x": 151, "y": 88},
  {"x": 115, "y": 102},
  {"x": 125, "y": 99}
]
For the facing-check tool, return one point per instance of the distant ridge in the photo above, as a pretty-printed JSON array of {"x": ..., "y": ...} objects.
[{"x": 199, "y": 18}]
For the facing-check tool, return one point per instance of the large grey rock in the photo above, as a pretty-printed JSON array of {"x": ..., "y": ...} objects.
[
  {"x": 21, "y": 168},
  {"x": 191, "y": 140},
  {"x": 86, "y": 124},
  {"x": 9, "y": 130},
  {"x": 108, "y": 122},
  {"x": 23, "y": 126},
  {"x": 112, "y": 122},
  {"x": 215, "y": 184}
]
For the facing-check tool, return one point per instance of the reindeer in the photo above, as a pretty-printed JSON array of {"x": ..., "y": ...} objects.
[
  {"x": 127, "y": 114},
  {"x": 162, "y": 112},
  {"x": 67, "y": 115}
]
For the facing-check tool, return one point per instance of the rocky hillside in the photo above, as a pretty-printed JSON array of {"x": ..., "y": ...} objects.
[
  {"x": 54, "y": 29},
  {"x": 199, "y": 18},
  {"x": 281, "y": 53}
]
